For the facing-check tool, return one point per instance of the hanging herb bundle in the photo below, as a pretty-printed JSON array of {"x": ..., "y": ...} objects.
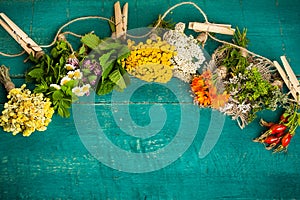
[
  {"x": 250, "y": 81},
  {"x": 24, "y": 112},
  {"x": 102, "y": 67},
  {"x": 65, "y": 75},
  {"x": 150, "y": 61},
  {"x": 55, "y": 76},
  {"x": 190, "y": 56}
]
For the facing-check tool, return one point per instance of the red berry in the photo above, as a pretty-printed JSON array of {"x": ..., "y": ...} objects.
[
  {"x": 286, "y": 140},
  {"x": 277, "y": 128},
  {"x": 280, "y": 134},
  {"x": 272, "y": 139},
  {"x": 284, "y": 118}
]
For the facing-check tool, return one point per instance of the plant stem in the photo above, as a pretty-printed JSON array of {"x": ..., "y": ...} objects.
[{"x": 5, "y": 79}]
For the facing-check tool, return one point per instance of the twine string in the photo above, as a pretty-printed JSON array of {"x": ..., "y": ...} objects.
[
  {"x": 141, "y": 36},
  {"x": 12, "y": 55}
]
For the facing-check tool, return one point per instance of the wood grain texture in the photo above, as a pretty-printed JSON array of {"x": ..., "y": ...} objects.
[{"x": 56, "y": 165}]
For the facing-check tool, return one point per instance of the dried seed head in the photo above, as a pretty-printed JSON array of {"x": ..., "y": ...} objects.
[
  {"x": 278, "y": 83},
  {"x": 202, "y": 38},
  {"x": 244, "y": 53},
  {"x": 222, "y": 71},
  {"x": 180, "y": 27},
  {"x": 61, "y": 37}
]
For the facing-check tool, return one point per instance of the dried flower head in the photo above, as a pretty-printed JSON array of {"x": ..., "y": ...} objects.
[
  {"x": 189, "y": 56},
  {"x": 26, "y": 112},
  {"x": 150, "y": 61}
]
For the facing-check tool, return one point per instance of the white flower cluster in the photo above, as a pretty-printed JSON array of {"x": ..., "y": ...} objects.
[
  {"x": 244, "y": 107},
  {"x": 189, "y": 56},
  {"x": 73, "y": 74}
]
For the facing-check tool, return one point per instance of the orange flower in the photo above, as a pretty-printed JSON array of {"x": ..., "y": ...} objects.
[
  {"x": 207, "y": 74},
  {"x": 220, "y": 100},
  {"x": 206, "y": 93}
]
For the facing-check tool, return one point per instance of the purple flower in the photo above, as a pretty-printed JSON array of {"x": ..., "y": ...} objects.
[
  {"x": 92, "y": 66},
  {"x": 97, "y": 71},
  {"x": 72, "y": 60},
  {"x": 93, "y": 82},
  {"x": 86, "y": 64},
  {"x": 84, "y": 79}
]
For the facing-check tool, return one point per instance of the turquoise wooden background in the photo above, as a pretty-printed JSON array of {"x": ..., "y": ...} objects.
[{"x": 56, "y": 165}]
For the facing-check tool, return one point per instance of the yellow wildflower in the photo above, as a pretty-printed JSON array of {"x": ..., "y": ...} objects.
[
  {"x": 146, "y": 60},
  {"x": 25, "y": 112}
]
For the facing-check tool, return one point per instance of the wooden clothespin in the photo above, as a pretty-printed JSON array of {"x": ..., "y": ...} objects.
[
  {"x": 121, "y": 18},
  {"x": 289, "y": 78},
  {"x": 22, "y": 38},
  {"x": 210, "y": 27}
]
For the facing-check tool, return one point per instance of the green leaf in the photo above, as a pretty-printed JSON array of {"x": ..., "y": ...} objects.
[
  {"x": 82, "y": 50},
  {"x": 70, "y": 84},
  {"x": 74, "y": 98},
  {"x": 36, "y": 73},
  {"x": 41, "y": 88},
  {"x": 66, "y": 103},
  {"x": 125, "y": 76},
  {"x": 111, "y": 25},
  {"x": 57, "y": 95},
  {"x": 33, "y": 58},
  {"x": 110, "y": 44},
  {"x": 62, "y": 111},
  {"x": 298, "y": 118},
  {"x": 49, "y": 63},
  {"x": 105, "y": 88},
  {"x": 62, "y": 61},
  {"x": 105, "y": 58},
  {"x": 92, "y": 78},
  {"x": 54, "y": 53},
  {"x": 124, "y": 52},
  {"x": 117, "y": 78},
  {"x": 86, "y": 71},
  {"x": 106, "y": 70},
  {"x": 91, "y": 40},
  {"x": 64, "y": 88}
]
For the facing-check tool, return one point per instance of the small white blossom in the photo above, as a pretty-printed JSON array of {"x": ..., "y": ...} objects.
[
  {"x": 77, "y": 74},
  {"x": 70, "y": 74},
  {"x": 55, "y": 86},
  {"x": 86, "y": 89},
  {"x": 234, "y": 80},
  {"x": 70, "y": 67},
  {"x": 64, "y": 80},
  {"x": 78, "y": 91}
]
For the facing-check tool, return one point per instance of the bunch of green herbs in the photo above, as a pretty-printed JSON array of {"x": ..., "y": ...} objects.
[
  {"x": 245, "y": 82},
  {"x": 49, "y": 69},
  {"x": 109, "y": 53}
]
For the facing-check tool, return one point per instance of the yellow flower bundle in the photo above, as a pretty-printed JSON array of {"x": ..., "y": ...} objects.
[
  {"x": 25, "y": 112},
  {"x": 150, "y": 61}
]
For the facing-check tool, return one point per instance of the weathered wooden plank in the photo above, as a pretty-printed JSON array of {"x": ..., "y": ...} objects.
[
  {"x": 46, "y": 163},
  {"x": 55, "y": 164}
]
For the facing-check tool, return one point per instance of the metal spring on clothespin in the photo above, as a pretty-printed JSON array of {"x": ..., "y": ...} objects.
[{"x": 22, "y": 38}]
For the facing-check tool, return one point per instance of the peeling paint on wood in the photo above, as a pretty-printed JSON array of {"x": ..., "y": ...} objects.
[{"x": 56, "y": 165}]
